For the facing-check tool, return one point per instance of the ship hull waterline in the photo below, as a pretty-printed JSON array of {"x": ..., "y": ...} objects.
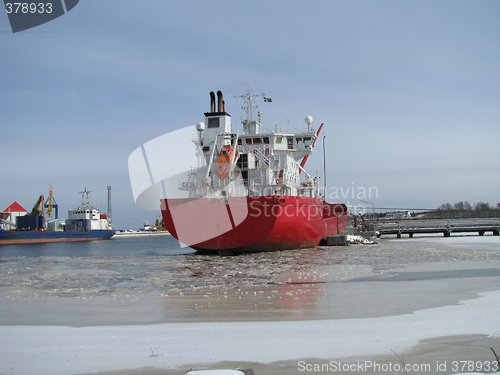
[
  {"x": 252, "y": 224},
  {"x": 36, "y": 237}
]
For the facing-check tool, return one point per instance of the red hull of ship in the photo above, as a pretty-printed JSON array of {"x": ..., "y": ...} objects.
[{"x": 267, "y": 223}]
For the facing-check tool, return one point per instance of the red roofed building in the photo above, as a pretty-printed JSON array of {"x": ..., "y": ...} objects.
[{"x": 10, "y": 214}]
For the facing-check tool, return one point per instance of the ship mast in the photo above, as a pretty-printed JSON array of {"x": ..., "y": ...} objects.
[
  {"x": 85, "y": 198},
  {"x": 251, "y": 126},
  {"x": 109, "y": 204}
]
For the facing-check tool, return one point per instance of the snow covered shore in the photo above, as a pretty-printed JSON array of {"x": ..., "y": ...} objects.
[{"x": 68, "y": 350}]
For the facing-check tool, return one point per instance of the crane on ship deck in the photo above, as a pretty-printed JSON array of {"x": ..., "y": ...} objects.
[{"x": 38, "y": 208}]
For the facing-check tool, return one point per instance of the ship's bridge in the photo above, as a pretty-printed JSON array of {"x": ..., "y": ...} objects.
[
  {"x": 297, "y": 145},
  {"x": 83, "y": 213}
]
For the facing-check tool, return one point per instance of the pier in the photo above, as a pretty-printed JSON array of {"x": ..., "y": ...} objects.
[{"x": 445, "y": 226}]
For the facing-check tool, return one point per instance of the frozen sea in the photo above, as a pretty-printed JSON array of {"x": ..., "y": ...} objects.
[{"x": 147, "y": 303}]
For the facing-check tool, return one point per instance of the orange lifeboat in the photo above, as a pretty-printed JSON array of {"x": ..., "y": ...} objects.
[{"x": 223, "y": 161}]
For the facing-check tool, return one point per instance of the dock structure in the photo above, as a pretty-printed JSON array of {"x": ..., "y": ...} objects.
[
  {"x": 334, "y": 240},
  {"x": 444, "y": 226}
]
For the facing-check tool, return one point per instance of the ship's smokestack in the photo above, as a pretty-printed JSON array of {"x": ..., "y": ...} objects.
[
  {"x": 219, "y": 102},
  {"x": 212, "y": 101},
  {"x": 223, "y": 106}
]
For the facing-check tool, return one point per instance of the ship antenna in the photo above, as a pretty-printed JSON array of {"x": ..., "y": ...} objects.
[
  {"x": 248, "y": 105},
  {"x": 287, "y": 121},
  {"x": 109, "y": 204},
  {"x": 85, "y": 197},
  {"x": 248, "y": 108},
  {"x": 324, "y": 168}
]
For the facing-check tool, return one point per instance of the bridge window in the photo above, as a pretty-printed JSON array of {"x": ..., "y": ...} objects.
[
  {"x": 265, "y": 140},
  {"x": 279, "y": 139},
  {"x": 248, "y": 141},
  {"x": 213, "y": 122},
  {"x": 240, "y": 141},
  {"x": 257, "y": 141}
]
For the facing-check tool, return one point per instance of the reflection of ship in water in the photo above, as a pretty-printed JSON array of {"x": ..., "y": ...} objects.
[
  {"x": 84, "y": 223},
  {"x": 250, "y": 191},
  {"x": 284, "y": 301}
]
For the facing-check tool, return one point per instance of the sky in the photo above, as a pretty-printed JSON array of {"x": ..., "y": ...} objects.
[{"x": 409, "y": 92}]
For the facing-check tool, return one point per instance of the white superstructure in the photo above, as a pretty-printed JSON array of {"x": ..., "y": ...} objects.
[
  {"x": 86, "y": 217},
  {"x": 251, "y": 163}
]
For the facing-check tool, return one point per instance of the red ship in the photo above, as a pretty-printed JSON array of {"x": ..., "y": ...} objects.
[{"x": 250, "y": 191}]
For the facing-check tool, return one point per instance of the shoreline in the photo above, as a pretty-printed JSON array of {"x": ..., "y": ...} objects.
[{"x": 436, "y": 356}]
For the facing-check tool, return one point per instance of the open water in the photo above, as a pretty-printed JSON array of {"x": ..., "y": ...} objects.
[
  {"x": 158, "y": 263},
  {"x": 152, "y": 279},
  {"x": 118, "y": 246}
]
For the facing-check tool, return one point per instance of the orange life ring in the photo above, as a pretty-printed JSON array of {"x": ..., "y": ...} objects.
[{"x": 223, "y": 161}]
